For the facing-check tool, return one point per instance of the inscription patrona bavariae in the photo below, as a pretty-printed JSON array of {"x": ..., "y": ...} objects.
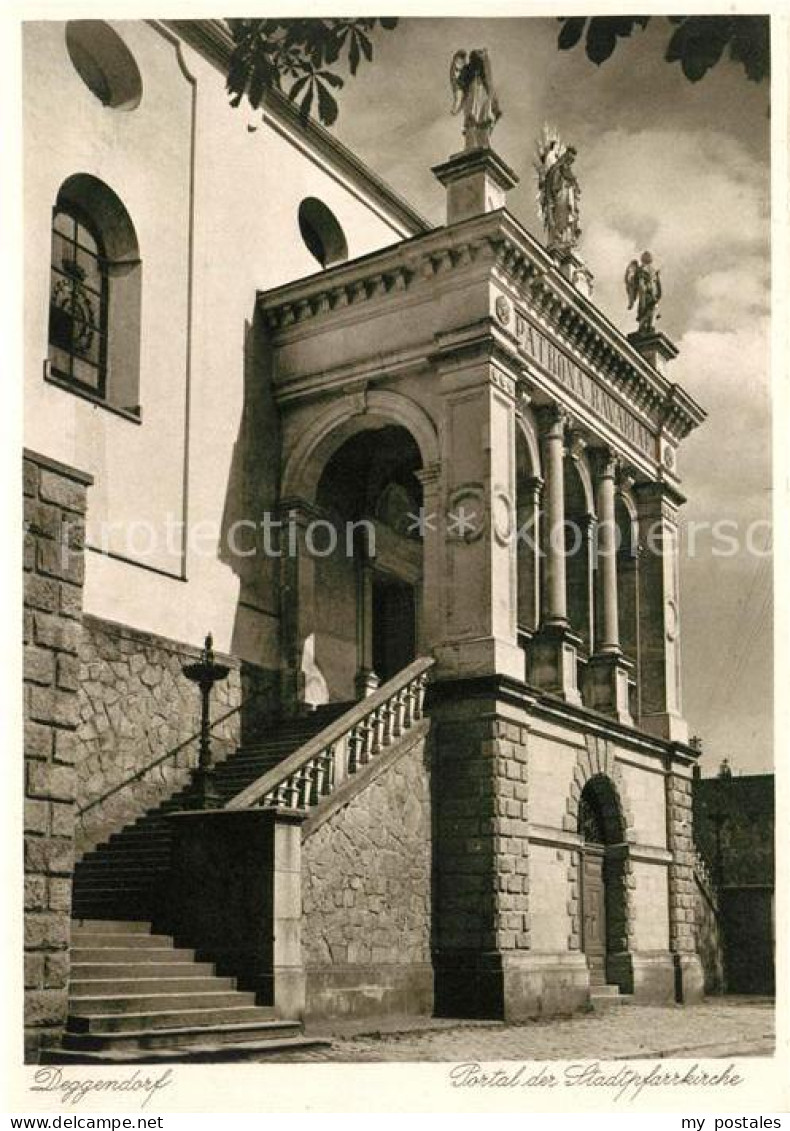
[{"x": 545, "y": 354}]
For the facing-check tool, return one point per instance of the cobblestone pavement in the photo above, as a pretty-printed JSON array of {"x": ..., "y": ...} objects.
[{"x": 729, "y": 1026}]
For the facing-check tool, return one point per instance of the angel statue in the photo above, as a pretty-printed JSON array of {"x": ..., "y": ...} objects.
[
  {"x": 643, "y": 286},
  {"x": 558, "y": 190},
  {"x": 472, "y": 86}
]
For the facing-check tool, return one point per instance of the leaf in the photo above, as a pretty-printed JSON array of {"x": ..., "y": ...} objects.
[
  {"x": 571, "y": 33},
  {"x": 327, "y": 106},
  {"x": 353, "y": 54},
  {"x": 698, "y": 44},
  {"x": 601, "y": 40},
  {"x": 751, "y": 46}
]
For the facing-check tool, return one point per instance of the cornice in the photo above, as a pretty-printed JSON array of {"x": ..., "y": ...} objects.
[
  {"x": 213, "y": 40},
  {"x": 497, "y": 245}
]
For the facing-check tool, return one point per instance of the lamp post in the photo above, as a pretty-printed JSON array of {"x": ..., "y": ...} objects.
[{"x": 205, "y": 673}]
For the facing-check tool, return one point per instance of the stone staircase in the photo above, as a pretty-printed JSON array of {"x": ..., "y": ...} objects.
[
  {"x": 120, "y": 879},
  {"x": 135, "y": 996}
]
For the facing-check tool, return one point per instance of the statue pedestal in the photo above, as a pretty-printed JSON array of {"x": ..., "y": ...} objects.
[
  {"x": 656, "y": 348},
  {"x": 574, "y": 268},
  {"x": 477, "y": 181}
]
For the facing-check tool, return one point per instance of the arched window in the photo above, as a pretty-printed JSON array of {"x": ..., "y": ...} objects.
[
  {"x": 78, "y": 301},
  {"x": 94, "y": 296}
]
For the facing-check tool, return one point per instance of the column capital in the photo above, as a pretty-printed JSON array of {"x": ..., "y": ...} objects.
[
  {"x": 299, "y": 510},
  {"x": 575, "y": 442},
  {"x": 531, "y": 486},
  {"x": 429, "y": 475},
  {"x": 604, "y": 462},
  {"x": 552, "y": 421}
]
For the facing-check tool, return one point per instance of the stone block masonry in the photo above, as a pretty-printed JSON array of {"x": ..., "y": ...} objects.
[
  {"x": 135, "y": 706},
  {"x": 366, "y": 889},
  {"x": 54, "y": 510}
]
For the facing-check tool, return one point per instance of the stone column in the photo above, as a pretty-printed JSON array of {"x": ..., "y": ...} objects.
[
  {"x": 689, "y": 977},
  {"x": 297, "y": 599},
  {"x": 366, "y": 681},
  {"x": 528, "y": 553},
  {"x": 553, "y": 659},
  {"x": 54, "y": 508},
  {"x": 608, "y": 671},
  {"x": 659, "y": 620},
  {"x": 476, "y": 524}
]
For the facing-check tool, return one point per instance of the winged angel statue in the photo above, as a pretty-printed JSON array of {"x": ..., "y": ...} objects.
[
  {"x": 558, "y": 190},
  {"x": 472, "y": 86},
  {"x": 643, "y": 287}
]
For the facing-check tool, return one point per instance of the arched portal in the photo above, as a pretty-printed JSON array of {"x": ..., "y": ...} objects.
[
  {"x": 360, "y": 574},
  {"x": 602, "y": 880}
]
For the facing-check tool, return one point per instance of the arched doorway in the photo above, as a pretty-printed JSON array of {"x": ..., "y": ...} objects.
[
  {"x": 602, "y": 881},
  {"x": 367, "y": 593}
]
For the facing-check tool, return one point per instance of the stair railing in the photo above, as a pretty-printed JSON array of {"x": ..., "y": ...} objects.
[{"x": 347, "y": 745}]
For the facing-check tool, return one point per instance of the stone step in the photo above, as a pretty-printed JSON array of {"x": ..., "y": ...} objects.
[
  {"x": 81, "y": 938},
  {"x": 135, "y": 955},
  {"x": 120, "y": 866},
  {"x": 112, "y": 926},
  {"x": 601, "y": 1002},
  {"x": 197, "y": 1053},
  {"x": 81, "y": 971},
  {"x": 605, "y": 989},
  {"x": 189, "y": 982},
  {"x": 138, "y": 1004},
  {"x": 187, "y": 1018},
  {"x": 182, "y": 1037}
]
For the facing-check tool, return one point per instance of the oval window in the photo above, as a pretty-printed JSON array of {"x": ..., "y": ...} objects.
[
  {"x": 104, "y": 63},
  {"x": 321, "y": 232}
]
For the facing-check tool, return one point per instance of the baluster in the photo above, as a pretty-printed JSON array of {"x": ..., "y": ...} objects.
[
  {"x": 304, "y": 785},
  {"x": 408, "y": 705},
  {"x": 352, "y": 745},
  {"x": 387, "y": 721},
  {"x": 397, "y": 714},
  {"x": 327, "y": 772},
  {"x": 368, "y": 736},
  {"x": 361, "y": 740}
]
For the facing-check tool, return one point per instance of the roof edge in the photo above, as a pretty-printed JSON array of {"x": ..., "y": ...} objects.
[{"x": 212, "y": 39}]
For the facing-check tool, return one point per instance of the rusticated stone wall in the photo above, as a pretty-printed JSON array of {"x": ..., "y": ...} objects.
[
  {"x": 135, "y": 706},
  {"x": 482, "y": 883},
  {"x": 366, "y": 894},
  {"x": 54, "y": 510},
  {"x": 682, "y": 895}
]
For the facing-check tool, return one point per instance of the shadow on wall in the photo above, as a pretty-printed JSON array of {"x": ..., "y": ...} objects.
[{"x": 251, "y": 494}]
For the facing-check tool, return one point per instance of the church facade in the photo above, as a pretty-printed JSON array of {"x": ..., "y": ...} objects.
[{"x": 423, "y": 495}]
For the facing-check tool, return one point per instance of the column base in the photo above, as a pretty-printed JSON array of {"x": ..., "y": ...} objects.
[
  {"x": 553, "y": 662},
  {"x": 606, "y": 685},
  {"x": 366, "y": 683},
  {"x": 484, "y": 656},
  {"x": 666, "y": 725}
]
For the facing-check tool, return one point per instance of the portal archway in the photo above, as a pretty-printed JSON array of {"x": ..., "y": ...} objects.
[
  {"x": 356, "y": 588},
  {"x": 603, "y": 882}
]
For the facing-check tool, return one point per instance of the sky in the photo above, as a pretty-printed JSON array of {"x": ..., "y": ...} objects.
[{"x": 683, "y": 170}]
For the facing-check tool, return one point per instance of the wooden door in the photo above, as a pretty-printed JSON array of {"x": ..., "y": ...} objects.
[{"x": 594, "y": 915}]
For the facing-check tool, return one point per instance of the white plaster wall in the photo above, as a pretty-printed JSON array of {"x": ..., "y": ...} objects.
[
  {"x": 548, "y": 899},
  {"x": 646, "y": 794},
  {"x": 651, "y": 905},
  {"x": 247, "y": 188},
  {"x": 551, "y": 765}
]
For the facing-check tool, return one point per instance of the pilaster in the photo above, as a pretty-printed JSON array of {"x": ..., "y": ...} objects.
[
  {"x": 659, "y": 604},
  {"x": 474, "y": 539}
]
